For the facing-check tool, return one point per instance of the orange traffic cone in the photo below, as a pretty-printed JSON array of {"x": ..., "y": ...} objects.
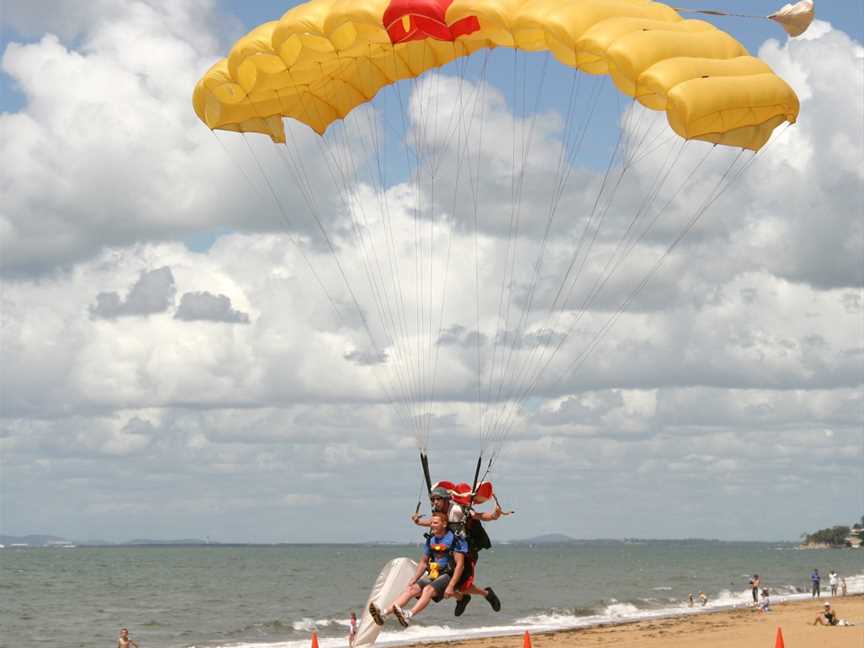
[
  {"x": 779, "y": 641},
  {"x": 314, "y": 639},
  {"x": 526, "y": 640}
]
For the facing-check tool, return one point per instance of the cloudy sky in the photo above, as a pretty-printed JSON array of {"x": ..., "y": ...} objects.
[{"x": 185, "y": 356}]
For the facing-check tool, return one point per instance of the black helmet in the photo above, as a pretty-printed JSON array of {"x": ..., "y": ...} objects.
[{"x": 440, "y": 492}]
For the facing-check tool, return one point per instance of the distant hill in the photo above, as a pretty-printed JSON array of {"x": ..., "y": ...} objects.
[
  {"x": 34, "y": 540},
  {"x": 548, "y": 538},
  {"x": 181, "y": 541},
  {"x": 43, "y": 540}
]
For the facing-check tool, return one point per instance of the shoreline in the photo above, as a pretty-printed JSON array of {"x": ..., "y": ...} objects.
[
  {"x": 434, "y": 635},
  {"x": 726, "y": 627}
]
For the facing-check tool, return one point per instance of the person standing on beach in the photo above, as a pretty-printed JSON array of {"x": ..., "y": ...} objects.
[
  {"x": 352, "y": 629},
  {"x": 833, "y": 582},
  {"x": 123, "y": 641},
  {"x": 815, "y": 580},
  {"x": 843, "y": 587},
  {"x": 754, "y": 588}
]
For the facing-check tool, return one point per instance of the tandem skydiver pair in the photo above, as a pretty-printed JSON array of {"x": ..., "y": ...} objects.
[{"x": 448, "y": 563}]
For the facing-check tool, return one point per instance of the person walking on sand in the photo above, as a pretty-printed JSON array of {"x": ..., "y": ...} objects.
[
  {"x": 815, "y": 580},
  {"x": 437, "y": 573},
  {"x": 754, "y": 588},
  {"x": 833, "y": 581},
  {"x": 123, "y": 641}
]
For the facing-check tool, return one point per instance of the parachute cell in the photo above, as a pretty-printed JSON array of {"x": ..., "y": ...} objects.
[{"x": 324, "y": 58}]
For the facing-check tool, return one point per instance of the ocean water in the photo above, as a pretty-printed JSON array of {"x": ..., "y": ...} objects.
[{"x": 273, "y": 597}]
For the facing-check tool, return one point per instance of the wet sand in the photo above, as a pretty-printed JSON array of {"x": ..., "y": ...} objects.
[{"x": 740, "y": 628}]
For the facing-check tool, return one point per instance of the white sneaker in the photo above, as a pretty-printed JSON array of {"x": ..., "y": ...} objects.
[
  {"x": 376, "y": 614},
  {"x": 402, "y": 616}
]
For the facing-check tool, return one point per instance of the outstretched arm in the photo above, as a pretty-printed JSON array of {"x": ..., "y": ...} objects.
[
  {"x": 421, "y": 521},
  {"x": 488, "y": 516}
]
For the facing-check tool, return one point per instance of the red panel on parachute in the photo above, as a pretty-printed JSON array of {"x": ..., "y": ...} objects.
[
  {"x": 461, "y": 493},
  {"x": 407, "y": 20}
]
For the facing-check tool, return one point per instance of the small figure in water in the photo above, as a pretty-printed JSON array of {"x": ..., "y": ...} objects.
[
  {"x": 123, "y": 641},
  {"x": 754, "y": 588},
  {"x": 352, "y": 628},
  {"x": 437, "y": 573},
  {"x": 458, "y": 521},
  {"x": 690, "y": 599},
  {"x": 765, "y": 606},
  {"x": 703, "y": 599}
]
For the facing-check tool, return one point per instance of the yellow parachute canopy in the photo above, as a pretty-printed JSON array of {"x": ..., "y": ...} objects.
[{"x": 325, "y": 57}]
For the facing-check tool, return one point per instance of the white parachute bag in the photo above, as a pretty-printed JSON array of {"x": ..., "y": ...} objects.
[{"x": 391, "y": 582}]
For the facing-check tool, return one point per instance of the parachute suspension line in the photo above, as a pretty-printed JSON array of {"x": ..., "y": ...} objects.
[
  {"x": 474, "y": 183},
  {"x": 561, "y": 175},
  {"x": 459, "y": 128},
  {"x": 428, "y": 138},
  {"x": 499, "y": 335},
  {"x": 513, "y": 341},
  {"x": 310, "y": 202},
  {"x": 526, "y": 310},
  {"x": 716, "y": 192},
  {"x": 413, "y": 171},
  {"x": 715, "y": 12},
  {"x": 291, "y": 238},
  {"x": 569, "y": 151},
  {"x": 435, "y": 154},
  {"x": 537, "y": 366},
  {"x": 421, "y": 394},
  {"x": 418, "y": 135},
  {"x": 584, "y": 236},
  {"x": 608, "y": 272},
  {"x": 338, "y": 171},
  {"x": 397, "y": 302},
  {"x": 397, "y": 377},
  {"x": 719, "y": 189}
]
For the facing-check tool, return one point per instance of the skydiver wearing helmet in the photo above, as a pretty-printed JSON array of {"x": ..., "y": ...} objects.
[{"x": 460, "y": 523}]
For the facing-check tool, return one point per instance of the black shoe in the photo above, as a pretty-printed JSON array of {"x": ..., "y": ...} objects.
[
  {"x": 461, "y": 604},
  {"x": 493, "y": 599},
  {"x": 375, "y": 613}
]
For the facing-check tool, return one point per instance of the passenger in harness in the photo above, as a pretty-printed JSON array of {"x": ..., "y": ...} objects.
[
  {"x": 437, "y": 573},
  {"x": 468, "y": 526}
]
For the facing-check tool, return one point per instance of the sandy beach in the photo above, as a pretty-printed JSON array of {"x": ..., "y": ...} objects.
[{"x": 740, "y": 628}]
